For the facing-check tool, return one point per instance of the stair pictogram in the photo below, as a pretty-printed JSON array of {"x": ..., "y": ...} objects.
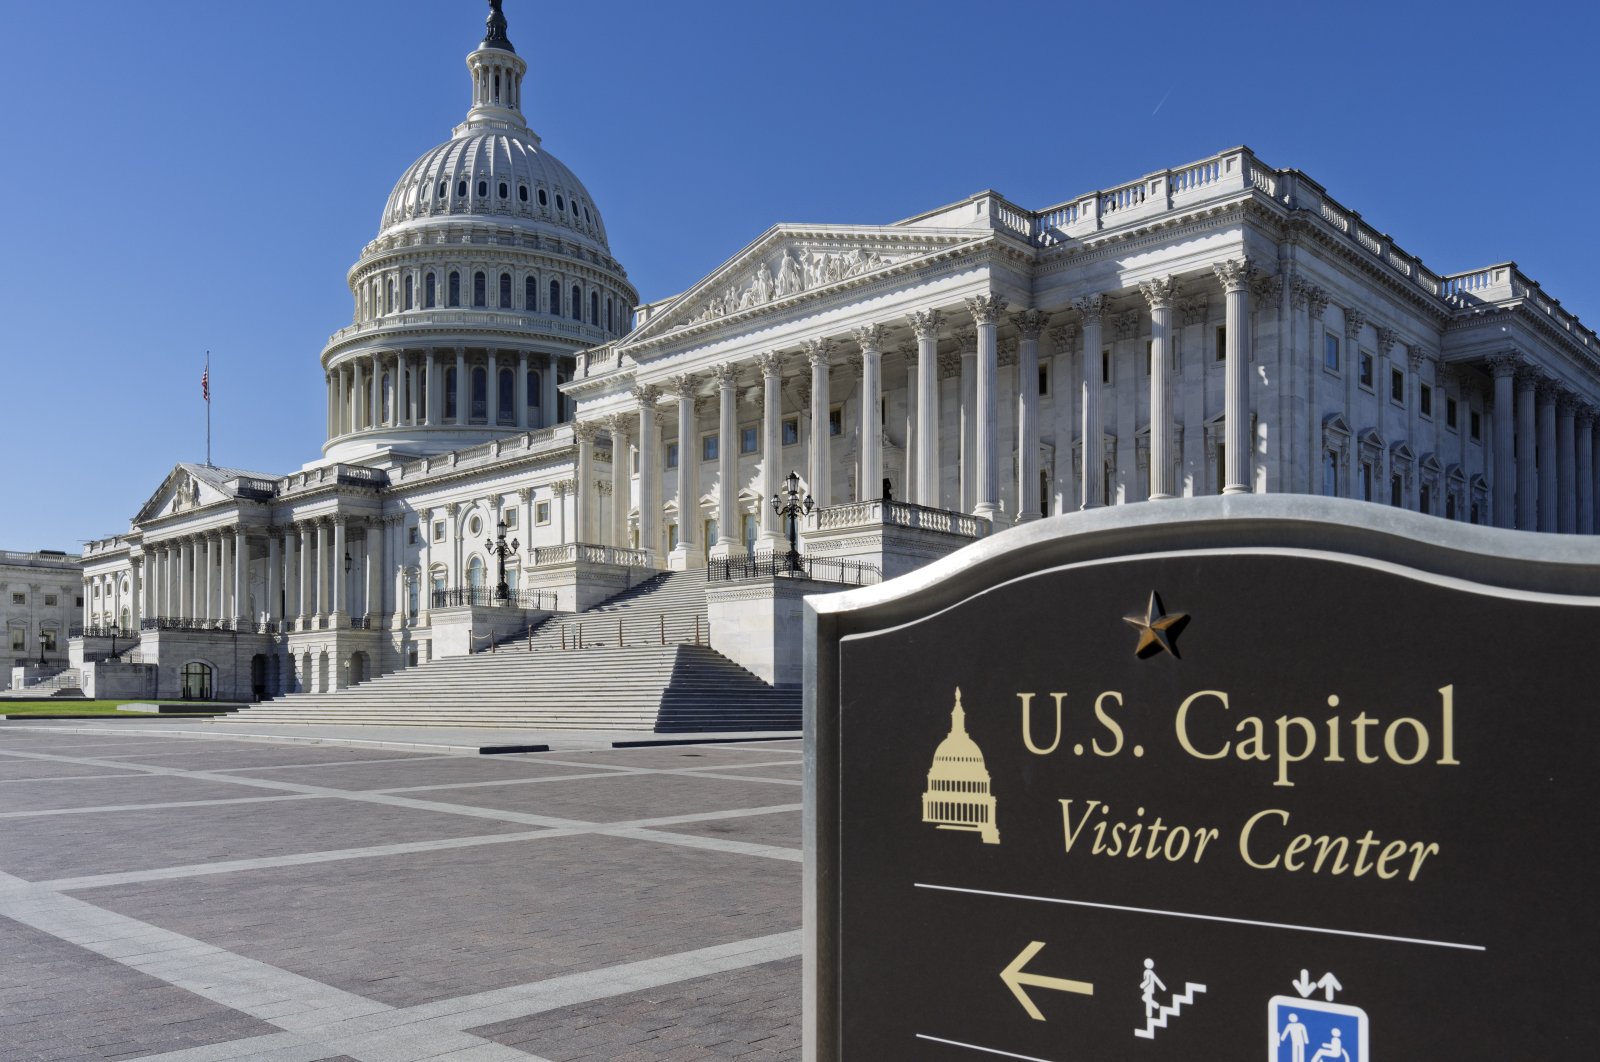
[{"x": 1158, "y": 1014}]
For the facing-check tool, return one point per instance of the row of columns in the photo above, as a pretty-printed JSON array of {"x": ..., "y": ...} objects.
[
  {"x": 104, "y": 600},
  {"x": 416, "y": 394},
  {"x": 1546, "y": 452},
  {"x": 202, "y": 577}
]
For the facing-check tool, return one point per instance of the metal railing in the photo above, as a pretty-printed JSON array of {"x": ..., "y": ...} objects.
[
  {"x": 596, "y": 633},
  {"x": 178, "y": 623},
  {"x": 78, "y": 630},
  {"x": 461, "y": 596},
  {"x": 783, "y": 566}
]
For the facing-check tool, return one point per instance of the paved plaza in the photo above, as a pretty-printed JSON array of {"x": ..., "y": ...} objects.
[{"x": 198, "y": 892}]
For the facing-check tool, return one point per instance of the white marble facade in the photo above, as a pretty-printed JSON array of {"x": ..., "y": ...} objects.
[{"x": 1222, "y": 326}]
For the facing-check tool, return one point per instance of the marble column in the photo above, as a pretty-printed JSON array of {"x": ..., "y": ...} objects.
[
  {"x": 205, "y": 565},
  {"x": 1584, "y": 443},
  {"x": 492, "y": 394},
  {"x": 1234, "y": 275},
  {"x": 1029, "y": 324},
  {"x": 869, "y": 481},
  {"x": 649, "y": 474},
  {"x": 925, "y": 323},
  {"x": 1527, "y": 436},
  {"x": 463, "y": 391},
  {"x": 520, "y": 401},
  {"x": 967, "y": 473},
  {"x": 986, "y": 311},
  {"x": 729, "y": 542},
  {"x": 584, "y": 432},
  {"x": 335, "y": 569},
  {"x": 373, "y": 556},
  {"x": 547, "y": 393},
  {"x": 820, "y": 475},
  {"x": 358, "y": 394},
  {"x": 908, "y": 488},
  {"x": 771, "y": 448},
  {"x": 305, "y": 597},
  {"x": 1546, "y": 455},
  {"x": 136, "y": 602},
  {"x": 322, "y": 571},
  {"x": 685, "y": 552},
  {"x": 1504, "y": 368},
  {"x": 1092, "y": 474},
  {"x": 1159, "y": 294},
  {"x": 615, "y": 533},
  {"x": 1566, "y": 465},
  {"x": 225, "y": 591},
  {"x": 274, "y": 577}
]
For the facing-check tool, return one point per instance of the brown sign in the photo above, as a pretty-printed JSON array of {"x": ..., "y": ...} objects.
[{"x": 1227, "y": 803}]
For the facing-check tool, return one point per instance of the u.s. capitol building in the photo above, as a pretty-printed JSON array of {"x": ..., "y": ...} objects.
[{"x": 1221, "y": 326}]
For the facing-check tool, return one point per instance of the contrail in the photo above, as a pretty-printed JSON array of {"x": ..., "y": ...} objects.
[{"x": 1159, "y": 105}]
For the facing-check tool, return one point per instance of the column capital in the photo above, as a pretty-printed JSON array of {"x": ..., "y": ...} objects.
[
  {"x": 584, "y": 431},
  {"x": 1388, "y": 338},
  {"x": 1160, "y": 293},
  {"x": 1126, "y": 324},
  {"x": 726, "y": 375},
  {"x": 617, "y": 424},
  {"x": 682, "y": 386},
  {"x": 949, "y": 365},
  {"x": 1268, "y": 288},
  {"x": 1568, "y": 404},
  {"x": 524, "y": 494},
  {"x": 817, "y": 351},
  {"x": 1419, "y": 355},
  {"x": 1062, "y": 336},
  {"x": 1031, "y": 322},
  {"x": 925, "y": 323},
  {"x": 1585, "y": 414},
  {"x": 1549, "y": 391},
  {"x": 1006, "y": 351},
  {"x": 1090, "y": 306},
  {"x": 647, "y": 395},
  {"x": 771, "y": 364},
  {"x": 966, "y": 341},
  {"x": 1317, "y": 300},
  {"x": 1234, "y": 274},
  {"x": 869, "y": 338},
  {"x": 987, "y": 308},
  {"x": 1504, "y": 363},
  {"x": 1354, "y": 322},
  {"x": 1528, "y": 377},
  {"x": 853, "y": 361},
  {"x": 1194, "y": 309}
]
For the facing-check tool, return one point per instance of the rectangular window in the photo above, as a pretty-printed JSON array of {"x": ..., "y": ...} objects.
[
  {"x": 747, "y": 439},
  {"x": 80, "y": 601},
  {"x": 1222, "y": 343},
  {"x": 411, "y": 534},
  {"x": 672, "y": 536},
  {"x": 750, "y": 528},
  {"x": 836, "y": 420},
  {"x": 1397, "y": 490},
  {"x": 672, "y": 455},
  {"x": 1364, "y": 372},
  {"x": 19, "y": 599},
  {"x": 438, "y": 530},
  {"x": 19, "y": 640},
  {"x": 1425, "y": 500},
  {"x": 508, "y": 516},
  {"x": 412, "y": 595},
  {"x": 1451, "y": 413},
  {"x": 1366, "y": 481},
  {"x": 1425, "y": 400},
  {"x": 49, "y": 640},
  {"x": 1330, "y": 474},
  {"x": 50, "y": 601},
  {"x": 1475, "y": 420},
  {"x": 1397, "y": 386},
  {"x": 541, "y": 512},
  {"x": 708, "y": 447},
  {"x": 1330, "y": 352},
  {"x": 1105, "y": 366},
  {"x": 1044, "y": 380},
  {"x": 791, "y": 430}
]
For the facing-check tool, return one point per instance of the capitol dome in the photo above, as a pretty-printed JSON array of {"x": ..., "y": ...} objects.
[
  {"x": 490, "y": 273},
  {"x": 958, "y": 795}
]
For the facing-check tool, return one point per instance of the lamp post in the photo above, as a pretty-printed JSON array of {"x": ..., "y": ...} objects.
[
  {"x": 114, "y": 630},
  {"x": 41, "y": 650},
  {"x": 788, "y": 504},
  {"x": 500, "y": 550}
]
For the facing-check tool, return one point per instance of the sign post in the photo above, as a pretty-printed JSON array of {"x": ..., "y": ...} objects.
[{"x": 1256, "y": 777}]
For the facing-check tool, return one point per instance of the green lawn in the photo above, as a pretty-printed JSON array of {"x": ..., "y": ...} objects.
[{"x": 64, "y": 706}]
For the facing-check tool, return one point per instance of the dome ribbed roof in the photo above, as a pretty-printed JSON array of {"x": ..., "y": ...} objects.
[{"x": 465, "y": 177}]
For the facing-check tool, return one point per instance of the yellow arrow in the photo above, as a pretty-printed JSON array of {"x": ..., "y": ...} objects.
[{"x": 1014, "y": 978}]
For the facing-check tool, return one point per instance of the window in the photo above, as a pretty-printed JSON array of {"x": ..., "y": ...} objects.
[
  {"x": 474, "y": 525},
  {"x": 508, "y": 516},
  {"x": 49, "y": 636},
  {"x": 544, "y": 199},
  {"x": 508, "y": 394},
  {"x": 708, "y": 447},
  {"x": 1449, "y": 506},
  {"x": 1330, "y": 474},
  {"x": 836, "y": 420},
  {"x": 1044, "y": 380},
  {"x": 196, "y": 681},
  {"x": 1425, "y": 499},
  {"x": 505, "y": 190},
  {"x": 480, "y": 294},
  {"x": 672, "y": 455},
  {"x": 541, "y": 512},
  {"x": 479, "y": 409},
  {"x": 80, "y": 601},
  {"x": 747, "y": 440},
  {"x": 19, "y": 640},
  {"x": 750, "y": 528},
  {"x": 1475, "y": 420},
  {"x": 438, "y": 530},
  {"x": 791, "y": 430},
  {"x": 522, "y": 192},
  {"x": 1425, "y": 400},
  {"x": 450, "y": 393},
  {"x": 577, "y": 303},
  {"x": 455, "y": 289},
  {"x": 1366, "y": 481},
  {"x": 50, "y": 601},
  {"x": 1397, "y": 386},
  {"x": 412, "y": 594},
  {"x": 475, "y": 573},
  {"x": 505, "y": 291},
  {"x": 1105, "y": 366},
  {"x": 410, "y": 291},
  {"x": 672, "y": 536},
  {"x": 610, "y": 327},
  {"x": 411, "y": 534},
  {"x": 594, "y": 308},
  {"x": 430, "y": 292},
  {"x": 1364, "y": 369},
  {"x": 483, "y": 189},
  {"x": 461, "y": 189},
  {"x": 1221, "y": 353},
  {"x": 1451, "y": 413},
  {"x": 587, "y": 219},
  {"x": 1397, "y": 490},
  {"x": 19, "y": 599},
  {"x": 444, "y": 189},
  {"x": 561, "y": 204},
  {"x": 530, "y": 295},
  {"x": 1330, "y": 352}
]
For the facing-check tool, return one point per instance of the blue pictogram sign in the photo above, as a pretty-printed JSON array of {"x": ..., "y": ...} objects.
[{"x": 1311, "y": 1030}]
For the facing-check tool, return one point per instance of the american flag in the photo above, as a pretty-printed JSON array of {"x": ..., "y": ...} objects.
[{"x": 205, "y": 384}]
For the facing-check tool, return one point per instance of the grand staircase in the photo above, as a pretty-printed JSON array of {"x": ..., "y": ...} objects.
[{"x": 572, "y": 673}]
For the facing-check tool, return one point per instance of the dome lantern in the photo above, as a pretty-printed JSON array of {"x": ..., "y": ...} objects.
[{"x": 497, "y": 72}]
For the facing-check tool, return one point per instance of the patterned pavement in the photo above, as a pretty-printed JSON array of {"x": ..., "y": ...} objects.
[{"x": 239, "y": 899}]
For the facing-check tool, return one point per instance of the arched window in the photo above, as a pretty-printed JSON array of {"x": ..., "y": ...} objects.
[
  {"x": 530, "y": 295},
  {"x": 507, "y": 393},
  {"x": 483, "y": 189},
  {"x": 450, "y": 392},
  {"x": 544, "y": 199},
  {"x": 461, "y": 189},
  {"x": 522, "y": 192},
  {"x": 455, "y": 289},
  {"x": 505, "y": 190},
  {"x": 505, "y": 291},
  {"x": 475, "y": 573},
  {"x": 555, "y": 297},
  {"x": 410, "y": 292},
  {"x": 594, "y": 307},
  {"x": 388, "y": 303},
  {"x": 577, "y": 303},
  {"x": 533, "y": 389},
  {"x": 196, "y": 681},
  {"x": 480, "y": 393},
  {"x": 561, "y": 204},
  {"x": 480, "y": 293},
  {"x": 430, "y": 292},
  {"x": 444, "y": 190}
]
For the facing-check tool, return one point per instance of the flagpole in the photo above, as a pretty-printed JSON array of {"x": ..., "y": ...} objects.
[{"x": 208, "y": 409}]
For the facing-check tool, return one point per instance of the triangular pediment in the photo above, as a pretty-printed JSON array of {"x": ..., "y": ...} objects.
[
  {"x": 790, "y": 263},
  {"x": 191, "y": 486}
]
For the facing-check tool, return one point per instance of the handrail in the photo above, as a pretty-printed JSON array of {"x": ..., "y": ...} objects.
[
  {"x": 463, "y": 596},
  {"x": 794, "y": 566}
]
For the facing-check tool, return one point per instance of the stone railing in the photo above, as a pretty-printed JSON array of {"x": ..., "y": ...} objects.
[
  {"x": 572, "y": 552},
  {"x": 1504, "y": 283},
  {"x": 523, "y": 442},
  {"x": 896, "y": 514}
]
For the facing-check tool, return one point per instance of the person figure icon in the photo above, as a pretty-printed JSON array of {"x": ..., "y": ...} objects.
[
  {"x": 1148, "y": 985},
  {"x": 1295, "y": 1032},
  {"x": 1333, "y": 1049}
]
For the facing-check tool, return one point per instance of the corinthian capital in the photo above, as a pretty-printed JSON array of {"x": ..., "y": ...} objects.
[
  {"x": 1504, "y": 364},
  {"x": 1091, "y": 306},
  {"x": 586, "y": 430},
  {"x": 1234, "y": 274},
  {"x": 1354, "y": 322},
  {"x": 986, "y": 309},
  {"x": 771, "y": 363},
  {"x": 869, "y": 338},
  {"x": 726, "y": 375},
  {"x": 682, "y": 386},
  {"x": 1031, "y": 322},
  {"x": 618, "y": 425},
  {"x": 817, "y": 351},
  {"x": 925, "y": 323},
  {"x": 1159, "y": 293},
  {"x": 647, "y": 395},
  {"x": 1387, "y": 338}
]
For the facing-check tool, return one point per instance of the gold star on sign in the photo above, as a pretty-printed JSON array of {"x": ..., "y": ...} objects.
[{"x": 1157, "y": 628}]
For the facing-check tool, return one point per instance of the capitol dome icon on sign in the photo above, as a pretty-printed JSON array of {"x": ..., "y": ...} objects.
[{"x": 958, "y": 796}]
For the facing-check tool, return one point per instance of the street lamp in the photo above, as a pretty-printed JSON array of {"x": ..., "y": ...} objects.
[
  {"x": 347, "y": 562},
  {"x": 787, "y": 503},
  {"x": 498, "y": 548},
  {"x": 42, "y": 640},
  {"x": 114, "y": 639}
]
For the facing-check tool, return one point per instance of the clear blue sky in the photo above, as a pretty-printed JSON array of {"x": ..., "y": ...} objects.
[{"x": 184, "y": 175}]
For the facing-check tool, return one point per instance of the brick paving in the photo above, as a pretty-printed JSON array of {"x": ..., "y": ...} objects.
[{"x": 376, "y": 905}]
